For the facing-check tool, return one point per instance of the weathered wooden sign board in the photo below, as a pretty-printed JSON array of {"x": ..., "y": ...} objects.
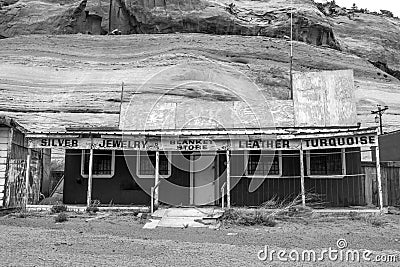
[
  {"x": 340, "y": 142},
  {"x": 204, "y": 143}
]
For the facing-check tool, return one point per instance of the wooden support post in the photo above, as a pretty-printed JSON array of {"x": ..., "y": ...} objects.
[
  {"x": 368, "y": 184},
  {"x": 378, "y": 176},
  {"x": 157, "y": 179},
  {"x": 152, "y": 200},
  {"x": 303, "y": 191},
  {"x": 223, "y": 196},
  {"x": 27, "y": 175},
  {"x": 228, "y": 180},
  {"x": 90, "y": 179}
]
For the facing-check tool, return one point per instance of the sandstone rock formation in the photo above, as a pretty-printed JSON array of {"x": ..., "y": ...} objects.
[
  {"x": 76, "y": 78},
  {"x": 52, "y": 82},
  {"x": 219, "y": 17},
  {"x": 170, "y": 16}
]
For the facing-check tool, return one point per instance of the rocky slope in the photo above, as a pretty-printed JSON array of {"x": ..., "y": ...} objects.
[
  {"x": 375, "y": 38},
  {"x": 51, "y": 82},
  {"x": 57, "y": 81},
  {"x": 367, "y": 35},
  {"x": 265, "y": 18}
]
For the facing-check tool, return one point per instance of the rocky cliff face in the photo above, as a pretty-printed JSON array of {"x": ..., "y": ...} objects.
[
  {"x": 367, "y": 35},
  {"x": 38, "y": 17},
  {"x": 69, "y": 72},
  {"x": 270, "y": 18},
  {"x": 373, "y": 37}
]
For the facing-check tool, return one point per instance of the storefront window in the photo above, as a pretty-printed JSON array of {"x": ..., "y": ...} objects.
[
  {"x": 326, "y": 162},
  {"x": 103, "y": 163},
  {"x": 262, "y": 163},
  {"x": 147, "y": 162}
]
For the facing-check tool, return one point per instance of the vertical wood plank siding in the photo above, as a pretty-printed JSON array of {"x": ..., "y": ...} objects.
[
  {"x": 122, "y": 188},
  {"x": 4, "y": 160},
  {"x": 335, "y": 192},
  {"x": 390, "y": 172}
]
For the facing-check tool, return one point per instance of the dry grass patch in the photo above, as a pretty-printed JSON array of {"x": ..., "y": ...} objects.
[
  {"x": 373, "y": 219},
  {"x": 94, "y": 207},
  {"x": 61, "y": 217},
  {"x": 58, "y": 208},
  {"x": 288, "y": 209},
  {"x": 248, "y": 217}
]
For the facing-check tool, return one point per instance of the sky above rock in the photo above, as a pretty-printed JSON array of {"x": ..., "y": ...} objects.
[{"x": 372, "y": 5}]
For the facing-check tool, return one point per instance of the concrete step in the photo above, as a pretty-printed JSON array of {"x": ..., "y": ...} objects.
[
  {"x": 181, "y": 222},
  {"x": 186, "y": 217}
]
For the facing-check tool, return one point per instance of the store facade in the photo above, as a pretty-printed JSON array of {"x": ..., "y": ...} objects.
[{"x": 195, "y": 167}]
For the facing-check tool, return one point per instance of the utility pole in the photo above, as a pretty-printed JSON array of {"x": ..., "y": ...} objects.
[{"x": 378, "y": 117}]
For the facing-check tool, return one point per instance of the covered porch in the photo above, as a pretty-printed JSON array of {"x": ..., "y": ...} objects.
[{"x": 213, "y": 167}]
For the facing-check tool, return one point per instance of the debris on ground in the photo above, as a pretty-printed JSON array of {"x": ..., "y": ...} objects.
[
  {"x": 98, "y": 217},
  {"x": 394, "y": 210}
]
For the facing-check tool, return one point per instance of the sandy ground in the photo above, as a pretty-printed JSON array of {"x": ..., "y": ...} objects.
[{"x": 119, "y": 240}]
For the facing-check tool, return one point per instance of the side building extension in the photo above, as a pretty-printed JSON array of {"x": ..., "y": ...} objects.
[{"x": 13, "y": 168}]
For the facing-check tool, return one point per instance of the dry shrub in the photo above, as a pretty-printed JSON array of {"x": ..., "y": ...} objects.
[
  {"x": 374, "y": 220},
  {"x": 21, "y": 214},
  {"x": 61, "y": 217},
  {"x": 58, "y": 208},
  {"x": 272, "y": 203},
  {"x": 289, "y": 209},
  {"x": 248, "y": 217},
  {"x": 275, "y": 209},
  {"x": 91, "y": 209},
  {"x": 312, "y": 200},
  {"x": 94, "y": 206}
]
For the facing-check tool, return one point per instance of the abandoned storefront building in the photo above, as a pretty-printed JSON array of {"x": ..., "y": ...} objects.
[{"x": 241, "y": 152}]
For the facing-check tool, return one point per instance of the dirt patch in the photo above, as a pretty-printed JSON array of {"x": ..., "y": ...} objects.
[{"x": 119, "y": 240}]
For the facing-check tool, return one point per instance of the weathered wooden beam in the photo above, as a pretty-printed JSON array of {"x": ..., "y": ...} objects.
[
  {"x": 368, "y": 183},
  {"x": 378, "y": 176},
  {"x": 228, "y": 179},
  {"x": 157, "y": 179},
  {"x": 303, "y": 191},
  {"x": 27, "y": 175},
  {"x": 90, "y": 179}
]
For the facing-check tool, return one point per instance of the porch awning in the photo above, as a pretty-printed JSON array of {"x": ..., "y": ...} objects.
[{"x": 206, "y": 140}]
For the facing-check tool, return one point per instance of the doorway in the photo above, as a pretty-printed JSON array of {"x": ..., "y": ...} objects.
[{"x": 202, "y": 179}]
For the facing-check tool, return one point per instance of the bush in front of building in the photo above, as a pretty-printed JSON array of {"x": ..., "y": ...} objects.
[
  {"x": 373, "y": 219},
  {"x": 94, "y": 206},
  {"x": 58, "y": 208},
  {"x": 92, "y": 209},
  {"x": 22, "y": 214},
  {"x": 248, "y": 217},
  {"x": 61, "y": 217}
]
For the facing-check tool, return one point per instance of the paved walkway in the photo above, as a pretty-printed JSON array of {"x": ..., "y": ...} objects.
[{"x": 185, "y": 217}]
